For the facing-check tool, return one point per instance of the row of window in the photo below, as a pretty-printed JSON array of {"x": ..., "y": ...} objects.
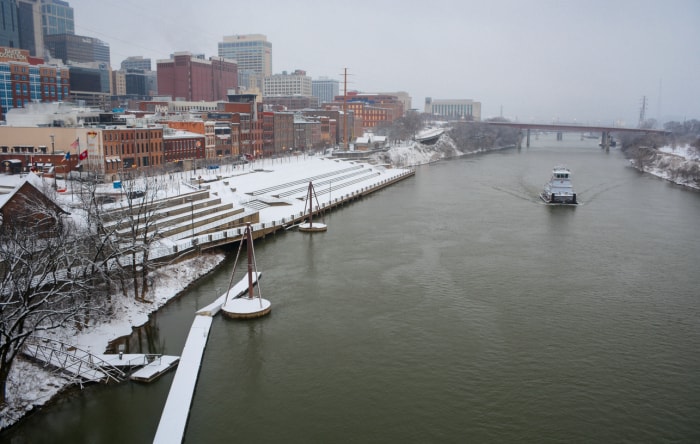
[
  {"x": 116, "y": 150},
  {"x": 130, "y": 135},
  {"x": 23, "y": 149}
]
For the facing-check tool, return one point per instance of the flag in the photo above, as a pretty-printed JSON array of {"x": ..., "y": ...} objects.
[
  {"x": 83, "y": 155},
  {"x": 75, "y": 144},
  {"x": 67, "y": 157}
]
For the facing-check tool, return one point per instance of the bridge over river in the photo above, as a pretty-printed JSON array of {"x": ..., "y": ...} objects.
[{"x": 605, "y": 131}]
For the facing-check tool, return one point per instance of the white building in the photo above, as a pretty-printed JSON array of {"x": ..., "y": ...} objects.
[
  {"x": 294, "y": 84},
  {"x": 252, "y": 52},
  {"x": 453, "y": 108}
]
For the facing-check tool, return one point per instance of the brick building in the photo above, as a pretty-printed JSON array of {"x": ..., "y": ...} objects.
[
  {"x": 25, "y": 79},
  {"x": 192, "y": 78},
  {"x": 371, "y": 109}
]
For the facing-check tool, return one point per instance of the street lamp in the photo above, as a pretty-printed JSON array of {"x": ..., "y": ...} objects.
[{"x": 191, "y": 201}]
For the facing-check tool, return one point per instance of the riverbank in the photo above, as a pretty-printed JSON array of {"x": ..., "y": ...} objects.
[{"x": 679, "y": 165}]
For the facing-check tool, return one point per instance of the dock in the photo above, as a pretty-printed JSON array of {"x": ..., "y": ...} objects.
[
  {"x": 171, "y": 428},
  {"x": 154, "y": 369},
  {"x": 173, "y": 420}
]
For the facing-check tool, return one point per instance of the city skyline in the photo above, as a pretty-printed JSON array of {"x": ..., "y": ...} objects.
[{"x": 538, "y": 61}]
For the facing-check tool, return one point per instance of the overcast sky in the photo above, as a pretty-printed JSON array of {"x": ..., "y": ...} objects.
[{"x": 588, "y": 61}]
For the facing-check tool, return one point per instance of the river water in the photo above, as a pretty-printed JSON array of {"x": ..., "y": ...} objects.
[{"x": 451, "y": 307}]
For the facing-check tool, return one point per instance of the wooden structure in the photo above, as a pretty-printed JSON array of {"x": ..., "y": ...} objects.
[
  {"x": 310, "y": 226},
  {"x": 249, "y": 306}
]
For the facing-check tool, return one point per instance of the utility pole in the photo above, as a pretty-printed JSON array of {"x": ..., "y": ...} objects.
[
  {"x": 53, "y": 162},
  {"x": 345, "y": 108}
]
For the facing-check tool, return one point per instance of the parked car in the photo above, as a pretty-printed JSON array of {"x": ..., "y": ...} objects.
[{"x": 135, "y": 194}]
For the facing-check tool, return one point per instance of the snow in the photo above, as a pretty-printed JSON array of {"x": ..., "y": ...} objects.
[
  {"x": 246, "y": 306},
  {"x": 677, "y": 164},
  {"x": 686, "y": 151},
  {"x": 155, "y": 368}
]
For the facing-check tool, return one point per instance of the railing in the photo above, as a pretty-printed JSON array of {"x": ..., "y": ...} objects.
[{"x": 72, "y": 360}]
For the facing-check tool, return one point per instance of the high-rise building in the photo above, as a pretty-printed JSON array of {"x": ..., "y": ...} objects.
[
  {"x": 136, "y": 82},
  {"x": 39, "y": 18},
  {"x": 294, "y": 84},
  {"x": 252, "y": 52},
  {"x": 31, "y": 35},
  {"x": 9, "y": 27},
  {"x": 136, "y": 62},
  {"x": 57, "y": 17},
  {"x": 119, "y": 83},
  {"x": 325, "y": 89},
  {"x": 192, "y": 78},
  {"x": 77, "y": 48}
]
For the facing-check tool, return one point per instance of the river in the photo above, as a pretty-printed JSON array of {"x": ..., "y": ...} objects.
[{"x": 451, "y": 307}]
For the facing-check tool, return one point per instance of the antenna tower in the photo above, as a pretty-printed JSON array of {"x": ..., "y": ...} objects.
[{"x": 643, "y": 111}]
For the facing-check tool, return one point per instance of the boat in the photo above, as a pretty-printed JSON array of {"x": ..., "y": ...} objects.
[
  {"x": 559, "y": 190},
  {"x": 250, "y": 305}
]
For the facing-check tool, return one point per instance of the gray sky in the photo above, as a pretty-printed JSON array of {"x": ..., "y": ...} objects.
[{"x": 589, "y": 61}]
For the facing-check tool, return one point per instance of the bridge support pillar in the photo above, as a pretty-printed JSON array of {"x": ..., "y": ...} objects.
[
  {"x": 605, "y": 140},
  {"x": 560, "y": 136},
  {"x": 527, "y": 144}
]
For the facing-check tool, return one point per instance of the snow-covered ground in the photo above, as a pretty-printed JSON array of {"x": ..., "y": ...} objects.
[
  {"x": 677, "y": 164},
  {"x": 413, "y": 153}
]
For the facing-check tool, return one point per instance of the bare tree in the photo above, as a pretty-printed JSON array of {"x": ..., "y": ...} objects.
[
  {"x": 139, "y": 229},
  {"x": 101, "y": 239},
  {"x": 477, "y": 136},
  {"x": 44, "y": 282},
  {"x": 402, "y": 128}
]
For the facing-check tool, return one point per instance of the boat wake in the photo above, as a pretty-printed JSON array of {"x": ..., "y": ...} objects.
[
  {"x": 521, "y": 196},
  {"x": 591, "y": 194}
]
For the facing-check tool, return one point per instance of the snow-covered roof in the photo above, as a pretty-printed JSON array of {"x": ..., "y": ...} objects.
[{"x": 18, "y": 181}]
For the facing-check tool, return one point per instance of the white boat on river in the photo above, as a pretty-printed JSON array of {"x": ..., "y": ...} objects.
[{"x": 559, "y": 190}]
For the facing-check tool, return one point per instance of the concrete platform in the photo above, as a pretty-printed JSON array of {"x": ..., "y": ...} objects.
[
  {"x": 314, "y": 227},
  {"x": 246, "y": 308},
  {"x": 155, "y": 369},
  {"x": 236, "y": 291}
]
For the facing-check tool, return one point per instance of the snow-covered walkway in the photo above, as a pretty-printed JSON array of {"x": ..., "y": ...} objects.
[{"x": 171, "y": 428}]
